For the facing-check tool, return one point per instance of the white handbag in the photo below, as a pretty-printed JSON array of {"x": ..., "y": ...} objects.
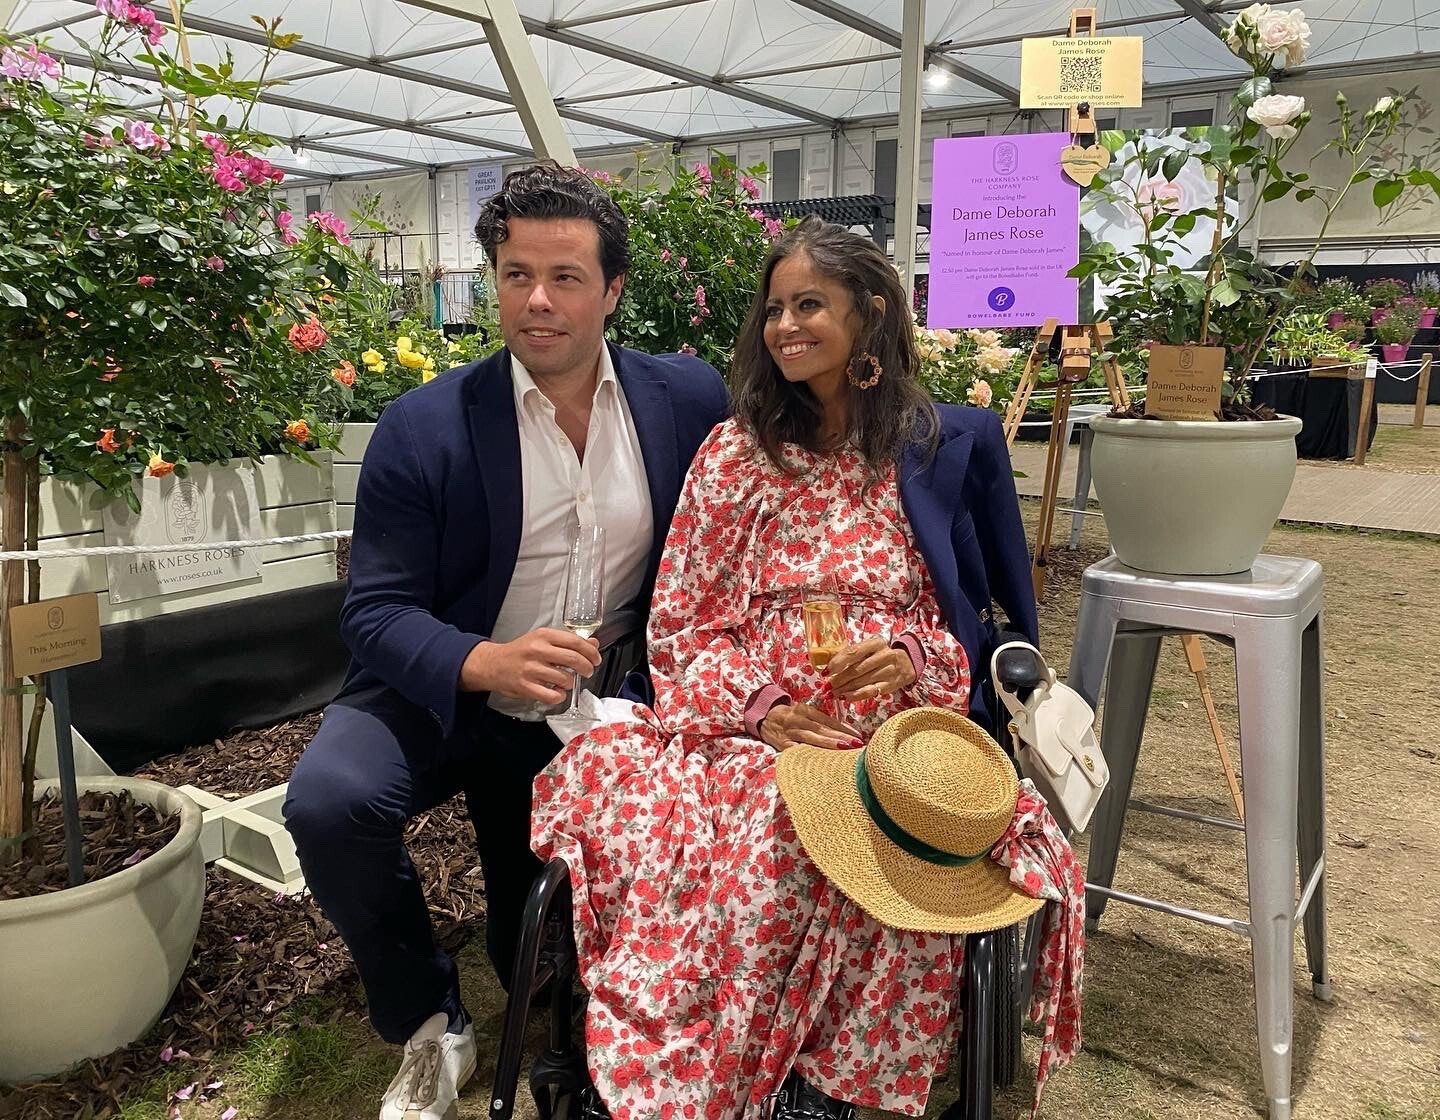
[{"x": 1056, "y": 745}]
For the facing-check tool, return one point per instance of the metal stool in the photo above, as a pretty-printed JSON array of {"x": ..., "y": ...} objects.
[{"x": 1272, "y": 616}]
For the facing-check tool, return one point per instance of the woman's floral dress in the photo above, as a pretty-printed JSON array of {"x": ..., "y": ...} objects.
[{"x": 716, "y": 955}]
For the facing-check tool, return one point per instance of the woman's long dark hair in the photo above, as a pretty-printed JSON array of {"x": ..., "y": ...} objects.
[{"x": 881, "y": 420}]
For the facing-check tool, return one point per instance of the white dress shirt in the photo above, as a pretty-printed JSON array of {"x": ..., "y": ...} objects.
[{"x": 560, "y": 491}]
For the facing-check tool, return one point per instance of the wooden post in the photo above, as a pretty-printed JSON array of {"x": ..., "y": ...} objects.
[
  {"x": 1195, "y": 656},
  {"x": 12, "y": 593},
  {"x": 1422, "y": 390},
  {"x": 1362, "y": 430}
]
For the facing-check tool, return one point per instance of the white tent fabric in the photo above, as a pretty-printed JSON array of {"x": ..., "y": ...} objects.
[{"x": 381, "y": 85}]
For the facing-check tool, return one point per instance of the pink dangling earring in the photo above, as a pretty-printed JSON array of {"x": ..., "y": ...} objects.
[{"x": 876, "y": 370}]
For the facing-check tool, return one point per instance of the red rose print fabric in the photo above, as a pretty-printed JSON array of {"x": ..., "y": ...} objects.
[{"x": 716, "y": 955}]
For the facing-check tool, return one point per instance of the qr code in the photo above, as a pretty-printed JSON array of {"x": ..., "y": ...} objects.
[{"x": 1079, "y": 74}]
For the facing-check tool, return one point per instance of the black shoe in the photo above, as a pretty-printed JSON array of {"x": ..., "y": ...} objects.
[
  {"x": 591, "y": 1106},
  {"x": 797, "y": 1100}
]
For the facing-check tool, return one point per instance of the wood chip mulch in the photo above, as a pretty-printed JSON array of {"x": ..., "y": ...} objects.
[
  {"x": 257, "y": 953},
  {"x": 118, "y": 832}
]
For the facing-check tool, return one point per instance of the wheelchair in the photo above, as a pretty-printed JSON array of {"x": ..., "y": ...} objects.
[{"x": 996, "y": 980}]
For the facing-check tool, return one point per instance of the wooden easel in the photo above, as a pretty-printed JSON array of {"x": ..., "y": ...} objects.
[{"x": 1078, "y": 346}]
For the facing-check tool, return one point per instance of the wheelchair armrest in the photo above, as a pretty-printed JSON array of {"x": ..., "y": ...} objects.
[
  {"x": 622, "y": 644},
  {"x": 1020, "y": 671},
  {"x": 615, "y": 630}
]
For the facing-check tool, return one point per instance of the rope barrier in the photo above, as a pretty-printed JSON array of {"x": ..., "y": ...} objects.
[{"x": 136, "y": 549}]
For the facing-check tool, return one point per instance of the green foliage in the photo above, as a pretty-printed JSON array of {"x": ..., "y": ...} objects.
[
  {"x": 399, "y": 358},
  {"x": 1230, "y": 298},
  {"x": 1301, "y": 338},
  {"x": 1401, "y": 324},
  {"x": 1384, "y": 291},
  {"x": 969, "y": 367},
  {"x": 697, "y": 245},
  {"x": 147, "y": 306}
]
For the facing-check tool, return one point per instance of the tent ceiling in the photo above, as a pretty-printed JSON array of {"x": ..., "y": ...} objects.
[{"x": 383, "y": 84}]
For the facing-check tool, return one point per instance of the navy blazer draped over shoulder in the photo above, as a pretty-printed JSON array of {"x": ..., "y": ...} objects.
[{"x": 965, "y": 515}]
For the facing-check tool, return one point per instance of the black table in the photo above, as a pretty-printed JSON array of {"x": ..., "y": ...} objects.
[{"x": 1328, "y": 406}]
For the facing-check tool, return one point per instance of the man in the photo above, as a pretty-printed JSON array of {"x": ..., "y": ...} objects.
[{"x": 469, "y": 490}]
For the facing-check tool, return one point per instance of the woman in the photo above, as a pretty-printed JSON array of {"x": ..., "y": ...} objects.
[{"x": 719, "y": 960}]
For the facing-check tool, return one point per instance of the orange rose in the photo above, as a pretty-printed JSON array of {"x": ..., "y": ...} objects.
[
  {"x": 159, "y": 468},
  {"x": 308, "y": 336},
  {"x": 344, "y": 373},
  {"x": 298, "y": 430},
  {"x": 106, "y": 442}
]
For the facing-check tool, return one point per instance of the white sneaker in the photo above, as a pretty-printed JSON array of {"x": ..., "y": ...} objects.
[{"x": 437, "y": 1064}]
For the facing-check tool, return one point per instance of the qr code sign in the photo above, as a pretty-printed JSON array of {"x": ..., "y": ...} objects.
[{"x": 1079, "y": 73}]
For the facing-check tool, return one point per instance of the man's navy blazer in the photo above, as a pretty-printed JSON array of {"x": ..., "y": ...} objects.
[{"x": 438, "y": 517}]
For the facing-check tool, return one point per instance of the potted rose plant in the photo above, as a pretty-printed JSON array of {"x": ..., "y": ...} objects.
[
  {"x": 160, "y": 308},
  {"x": 1398, "y": 329},
  {"x": 1200, "y": 496},
  {"x": 1381, "y": 293},
  {"x": 1427, "y": 290}
]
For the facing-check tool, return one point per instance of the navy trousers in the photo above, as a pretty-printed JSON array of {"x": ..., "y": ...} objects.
[{"x": 374, "y": 764}]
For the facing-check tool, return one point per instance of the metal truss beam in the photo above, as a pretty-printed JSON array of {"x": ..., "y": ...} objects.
[
  {"x": 719, "y": 83},
  {"x": 123, "y": 70},
  {"x": 856, "y": 22},
  {"x": 374, "y": 157},
  {"x": 641, "y": 10},
  {"x": 1204, "y": 15},
  {"x": 343, "y": 60}
]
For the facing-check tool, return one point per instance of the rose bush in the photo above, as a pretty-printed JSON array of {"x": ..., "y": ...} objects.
[
  {"x": 160, "y": 306},
  {"x": 697, "y": 245},
  {"x": 1169, "y": 285}
]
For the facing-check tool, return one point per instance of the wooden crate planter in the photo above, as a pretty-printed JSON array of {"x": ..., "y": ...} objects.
[
  {"x": 353, "y": 442},
  {"x": 294, "y": 498}
]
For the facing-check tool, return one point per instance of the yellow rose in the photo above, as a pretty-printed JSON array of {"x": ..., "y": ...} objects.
[
  {"x": 403, "y": 342},
  {"x": 429, "y": 363},
  {"x": 373, "y": 358},
  {"x": 378, "y": 367},
  {"x": 453, "y": 348},
  {"x": 409, "y": 358},
  {"x": 427, "y": 377}
]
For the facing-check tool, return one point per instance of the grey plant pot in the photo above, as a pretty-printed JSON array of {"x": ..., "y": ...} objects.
[
  {"x": 87, "y": 970},
  {"x": 1191, "y": 497}
]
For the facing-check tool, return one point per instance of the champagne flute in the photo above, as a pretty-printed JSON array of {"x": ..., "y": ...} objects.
[
  {"x": 584, "y": 594},
  {"x": 824, "y": 628}
]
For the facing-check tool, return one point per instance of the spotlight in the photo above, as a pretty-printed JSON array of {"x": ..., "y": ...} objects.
[{"x": 936, "y": 79}]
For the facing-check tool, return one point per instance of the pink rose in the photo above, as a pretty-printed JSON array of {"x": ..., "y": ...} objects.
[
  {"x": 145, "y": 281},
  {"x": 215, "y": 264},
  {"x": 141, "y": 136},
  {"x": 28, "y": 64}
]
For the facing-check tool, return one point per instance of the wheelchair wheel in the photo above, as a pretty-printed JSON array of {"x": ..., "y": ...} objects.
[{"x": 1009, "y": 1015}]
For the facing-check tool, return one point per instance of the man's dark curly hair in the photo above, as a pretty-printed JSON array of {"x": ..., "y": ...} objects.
[{"x": 547, "y": 190}]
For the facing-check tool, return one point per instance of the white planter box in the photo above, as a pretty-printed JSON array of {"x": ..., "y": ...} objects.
[
  {"x": 348, "y": 456},
  {"x": 294, "y": 498}
]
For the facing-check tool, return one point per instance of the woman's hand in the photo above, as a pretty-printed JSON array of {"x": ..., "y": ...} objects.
[
  {"x": 800, "y": 725},
  {"x": 869, "y": 669}
]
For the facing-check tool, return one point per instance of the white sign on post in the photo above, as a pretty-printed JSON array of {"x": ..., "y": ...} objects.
[
  {"x": 485, "y": 180},
  {"x": 209, "y": 504}
]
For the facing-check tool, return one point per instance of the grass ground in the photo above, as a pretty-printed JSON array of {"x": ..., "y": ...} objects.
[{"x": 1168, "y": 1014}]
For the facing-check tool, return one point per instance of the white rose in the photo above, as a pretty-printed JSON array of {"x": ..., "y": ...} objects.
[
  {"x": 1249, "y": 18},
  {"x": 1384, "y": 105},
  {"x": 1283, "y": 35},
  {"x": 1275, "y": 112}
]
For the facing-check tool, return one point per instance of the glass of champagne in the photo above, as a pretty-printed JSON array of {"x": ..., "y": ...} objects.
[
  {"x": 824, "y": 628},
  {"x": 584, "y": 594}
]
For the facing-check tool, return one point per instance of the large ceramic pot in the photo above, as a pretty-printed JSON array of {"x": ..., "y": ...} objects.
[
  {"x": 87, "y": 970},
  {"x": 1191, "y": 497}
]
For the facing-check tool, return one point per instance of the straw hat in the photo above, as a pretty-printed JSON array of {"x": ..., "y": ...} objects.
[{"x": 905, "y": 826}]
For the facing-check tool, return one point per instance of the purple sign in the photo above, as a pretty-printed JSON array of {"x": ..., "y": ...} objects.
[{"x": 1004, "y": 231}]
